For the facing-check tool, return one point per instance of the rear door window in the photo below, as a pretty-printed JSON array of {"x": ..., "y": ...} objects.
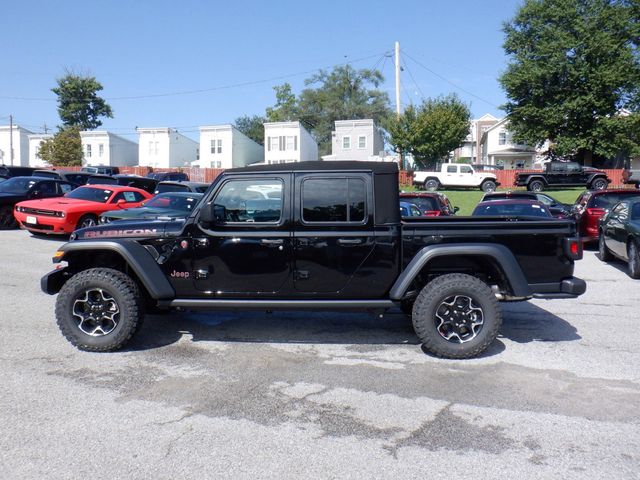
[{"x": 334, "y": 200}]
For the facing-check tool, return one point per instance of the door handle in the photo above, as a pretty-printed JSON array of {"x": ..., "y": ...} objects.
[
  {"x": 271, "y": 241},
  {"x": 349, "y": 241}
]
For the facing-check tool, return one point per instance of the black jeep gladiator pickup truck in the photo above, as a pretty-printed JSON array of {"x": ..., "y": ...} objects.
[
  {"x": 312, "y": 235},
  {"x": 563, "y": 174}
]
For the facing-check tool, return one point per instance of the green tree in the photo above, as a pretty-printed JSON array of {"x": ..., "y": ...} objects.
[
  {"x": 573, "y": 65},
  {"x": 286, "y": 107},
  {"x": 78, "y": 102},
  {"x": 64, "y": 149},
  {"x": 430, "y": 131},
  {"x": 252, "y": 127},
  {"x": 341, "y": 94}
]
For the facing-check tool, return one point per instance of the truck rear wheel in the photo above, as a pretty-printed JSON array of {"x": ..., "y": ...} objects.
[
  {"x": 535, "y": 186},
  {"x": 99, "y": 310},
  {"x": 456, "y": 316},
  {"x": 431, "y": 184}
]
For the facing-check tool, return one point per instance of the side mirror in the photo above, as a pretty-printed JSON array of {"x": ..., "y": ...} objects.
[
  {"x": 456, "y": 209},
  {"x": 213, "y": 214}
]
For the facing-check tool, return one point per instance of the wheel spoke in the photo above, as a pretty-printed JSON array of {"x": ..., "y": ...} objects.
[
  {"x": 96, "y": 312},
  {"x": 458, "y": 319}
]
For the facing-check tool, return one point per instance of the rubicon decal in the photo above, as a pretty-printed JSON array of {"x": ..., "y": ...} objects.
[{"x": 138, "y": 232}]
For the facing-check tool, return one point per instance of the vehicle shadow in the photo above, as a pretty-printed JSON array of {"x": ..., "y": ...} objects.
[
  {"x": 522, "y": 323},
  {"x": 618, "y": 264}
]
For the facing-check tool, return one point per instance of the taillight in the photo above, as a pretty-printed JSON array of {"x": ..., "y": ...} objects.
[
  {"x": 432, "y": 213},
  {"x": 573, "y": 248},
  {"x": 596, "y": 211}
]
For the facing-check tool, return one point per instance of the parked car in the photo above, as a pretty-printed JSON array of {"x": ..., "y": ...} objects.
[
  {"x": 18, "y": 189},
  {"x": 77, "y": 209},
  {"x": 592, "y": 205},
  {"x": 196, "y": 187},
  {"x": 169, "y": 176},
  {"x": 8, "y": 171},
  {"x": 409, "y": 210},
  {"x": 631, "y": 177},
  {"x": 173, "y": 205},
  {"x": 333, "y": 240},
  {"x": 101, "y": 180},
  {"x": 455, "y": 175},
  {"x": 620, "y": 234},
  {"x": 79, "y": 178},
  {"x": 563, "y": 174},
  {"x": 512, "y": 208},
  {"x": 144, "y": 183},
  {"x": 431, "y": 204},
  {"x": 557, "y": 208},
  {"x": 100, "y": 170}
]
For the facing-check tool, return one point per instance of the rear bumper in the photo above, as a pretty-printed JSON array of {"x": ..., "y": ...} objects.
[{"x": 568, "y": 288}]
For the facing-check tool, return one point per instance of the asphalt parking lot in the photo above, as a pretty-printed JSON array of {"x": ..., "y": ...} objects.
[{"x": 319, "y": 395}]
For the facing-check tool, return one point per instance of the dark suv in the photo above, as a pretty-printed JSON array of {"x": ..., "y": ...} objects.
[
  {"x": 592, "y": 205},
  {"x": 169, "y": 176},
  {"x": 431, "y": 204}
]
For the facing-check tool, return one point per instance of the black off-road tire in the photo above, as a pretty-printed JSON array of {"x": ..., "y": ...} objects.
[
  {"x": 88, "y": 220},
  {"x": 633, "y": 255},
  {"x": 431, "y": 184},
  {"x": 7, "y": 220},
  {"x": 599, "y": 184},
  {"x": 603, "y": 252},
  {"x": 535, "y": 186},
  {"x": 120, "y": 288},
  {"x": 488, "y": 186},
  {"x": 433, "y": 296}
]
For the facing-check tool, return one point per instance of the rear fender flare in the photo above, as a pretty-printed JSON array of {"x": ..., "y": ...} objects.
[{"x": 499, "y": 253}]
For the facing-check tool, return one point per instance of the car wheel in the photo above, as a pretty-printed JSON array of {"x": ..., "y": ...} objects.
[
  {"x": 431, "y": 185},
  {"x": 536, "y": 186},
  {"x": 99, "y": 310},
  {"x": 86, "y": 221},
  {"x": 7, "y": 220},
  {"x": 488, "y": 186},
  {"x": 633, "y": 259},
  {"x": 599, "y": 184},
  {"x": 603, "y": 251},
  {"x": 456, "y": 316}
]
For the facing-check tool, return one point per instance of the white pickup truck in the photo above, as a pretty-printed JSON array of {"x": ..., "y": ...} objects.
[{"x": 455, "y": 175}]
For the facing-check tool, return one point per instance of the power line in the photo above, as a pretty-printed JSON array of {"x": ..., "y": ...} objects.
[
  {"x": 450, "y": 82},
  {"x": 406, "y": 67}
]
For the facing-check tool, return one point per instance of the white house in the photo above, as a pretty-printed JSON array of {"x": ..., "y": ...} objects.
[
  {"x": 498, "y": 148},
  {"x": 357, "y": 140},
  {"x": 34, "y": 149},
  {"x": 224, "y": 146},
  {"x": 18, "y": 138},
  {"x": 104, "y": 148},
  {"x": 288, "y": 142},
  {"x": 165, "y": 148},
  {"x": 470, "y": 148}
]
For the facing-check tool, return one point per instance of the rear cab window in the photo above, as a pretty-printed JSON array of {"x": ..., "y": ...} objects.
[{"x": 334, "y": 200}]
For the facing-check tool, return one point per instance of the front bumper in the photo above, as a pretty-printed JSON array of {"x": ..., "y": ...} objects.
[{"x": 571, "y": 287}]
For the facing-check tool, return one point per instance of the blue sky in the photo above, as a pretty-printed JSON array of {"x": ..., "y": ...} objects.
[{"x": 235, "y": 52}]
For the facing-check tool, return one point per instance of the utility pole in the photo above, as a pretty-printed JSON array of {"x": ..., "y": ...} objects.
[
  {"x": 11, "y": 139},
  {"x": 398, "y": 107}
]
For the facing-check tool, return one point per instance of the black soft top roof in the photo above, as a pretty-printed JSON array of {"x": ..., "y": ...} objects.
[{"x": 375, "y": 167}]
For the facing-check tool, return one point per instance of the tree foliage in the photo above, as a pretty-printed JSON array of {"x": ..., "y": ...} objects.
[
  {"x": 573, "y": 66},
  {"x": 432, "y": 130},
  {"x": 64, "y": 149},
  {"x": 78, "y": 102},
  {"x": 252, "y": 127},
  {"x": 341, "y": 94}
]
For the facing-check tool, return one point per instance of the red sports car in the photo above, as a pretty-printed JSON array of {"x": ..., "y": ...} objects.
[{"x": 77, "y": 209}]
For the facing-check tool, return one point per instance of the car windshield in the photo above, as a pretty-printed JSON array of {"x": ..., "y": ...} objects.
[
  {"x": 610, "y": 199},
  {"x": 424, "y": 203},
  {"x": 90, "y": 194},
  {"x": 184, "y": 203},
  {"x": 17, "y": 185},
  {"x": 512, "y": 210}
]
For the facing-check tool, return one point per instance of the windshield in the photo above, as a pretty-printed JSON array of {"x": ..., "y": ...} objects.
[
  {"x": 17, "y": 185},
  {"x": 424, "y": 203},
  {"x": 183, "y": 203},
  {"x": 512, "y": 210},
  {"x": 90, "y": 194}
]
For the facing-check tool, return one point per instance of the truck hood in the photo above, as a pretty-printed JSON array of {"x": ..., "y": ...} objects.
[{"x": 139, "y": 229}]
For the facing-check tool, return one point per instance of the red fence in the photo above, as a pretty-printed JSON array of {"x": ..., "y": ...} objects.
[{"x": 507, "y": 177}]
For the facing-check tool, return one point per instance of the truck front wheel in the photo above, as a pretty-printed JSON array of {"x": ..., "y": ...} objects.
[
  {"x": 99, "y": 310},
  {"x": 536, "y": 186},
  {"x": 456, "y": 316},
  {"x": 488, "y": 186}
]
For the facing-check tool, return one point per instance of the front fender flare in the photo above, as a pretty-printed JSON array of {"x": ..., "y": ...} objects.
[{"x": 501, "y": 254}]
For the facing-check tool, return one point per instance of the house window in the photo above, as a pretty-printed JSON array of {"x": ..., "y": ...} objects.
[
  {"x": 219, "y": 145},
  {"x": 292, "y": 143},
  {"x": 362, "y": 141},
  {"x": 153, "y": 148},
  {"x": 213, "y": 146},
  {"x": 88, "y": 151},
  {"x": 216, "y": 164},
  {"x": 346, "y": 142},
  {"x": 100, "y": 149},
  {"x": 274, "y": 145},
  {"x": 502, "y": 138}
]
